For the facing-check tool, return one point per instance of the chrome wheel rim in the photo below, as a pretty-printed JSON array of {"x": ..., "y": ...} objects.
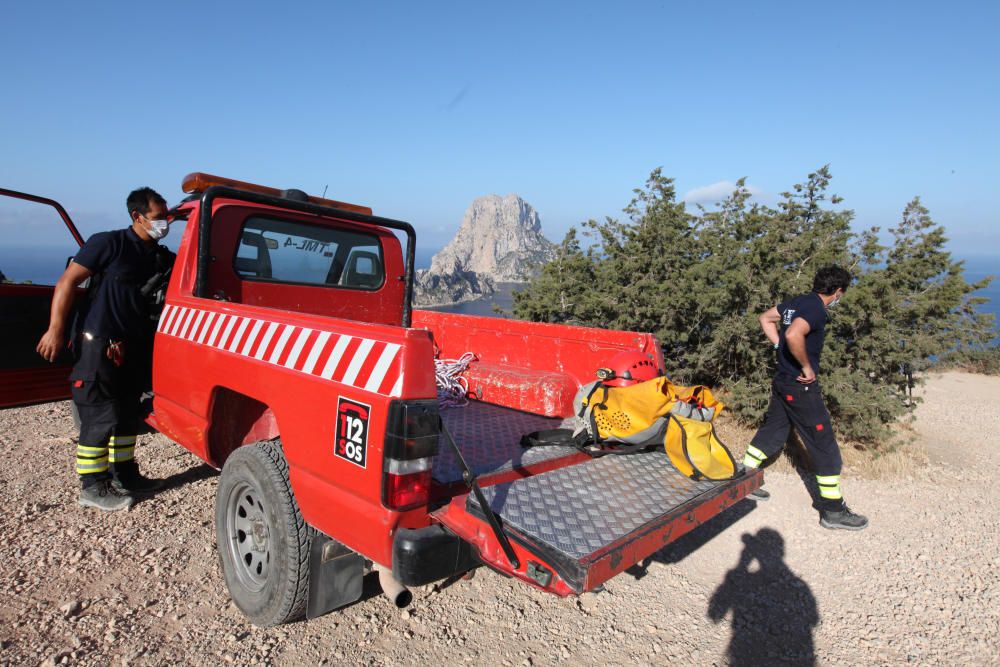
[{"x": 248, "y": 536}]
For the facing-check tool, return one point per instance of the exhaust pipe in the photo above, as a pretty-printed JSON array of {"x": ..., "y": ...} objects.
[{"x": 397, "y": 593}]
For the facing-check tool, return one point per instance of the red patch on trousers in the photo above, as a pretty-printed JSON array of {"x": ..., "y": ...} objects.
[
  {"x": 78, "y": 384},
  {"x": 819, "y": 427},
  {"x": 788, "y": 398}
]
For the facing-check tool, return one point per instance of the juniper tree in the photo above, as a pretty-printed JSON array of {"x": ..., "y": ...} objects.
[
  {"x": 910, "y": 305},
  {"x": 699, "y": 279},
  {"x": 562, "y": 292}
]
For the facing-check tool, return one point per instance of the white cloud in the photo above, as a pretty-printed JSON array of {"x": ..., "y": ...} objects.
[{"x": 711, "y": 194}]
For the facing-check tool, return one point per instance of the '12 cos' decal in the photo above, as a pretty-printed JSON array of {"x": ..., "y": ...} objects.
[{"x": 352, "y": 431}]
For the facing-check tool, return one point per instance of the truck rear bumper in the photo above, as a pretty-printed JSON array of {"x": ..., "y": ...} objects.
[{"x": 423, "y": 555}]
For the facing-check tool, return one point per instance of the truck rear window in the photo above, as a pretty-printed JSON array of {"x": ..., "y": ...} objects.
[{"x": 292, "y": 251}]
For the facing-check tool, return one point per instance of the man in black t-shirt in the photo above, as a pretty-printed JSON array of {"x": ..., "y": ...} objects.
[
  {"x": 796, "y": 328},
  {"x": 113, "y": 341}
]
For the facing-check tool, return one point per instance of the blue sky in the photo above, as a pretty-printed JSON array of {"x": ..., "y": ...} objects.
[{"x": 417, "y": 108}]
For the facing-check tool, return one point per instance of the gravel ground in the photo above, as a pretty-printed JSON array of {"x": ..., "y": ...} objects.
[{"x": 762, "y": 584}]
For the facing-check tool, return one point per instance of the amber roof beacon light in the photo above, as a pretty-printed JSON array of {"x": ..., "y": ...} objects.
[{"x": 199, "y": 181}]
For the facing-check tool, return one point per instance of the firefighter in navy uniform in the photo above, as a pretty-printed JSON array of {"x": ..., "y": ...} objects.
[
  {"x": 113, "y": 341},
  {"x": 796, "y": 328}
]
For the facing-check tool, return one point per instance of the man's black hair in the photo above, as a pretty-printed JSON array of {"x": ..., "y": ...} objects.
[
  {"x": 141, "y": 199},
  {"x": 831, "y": 278}
]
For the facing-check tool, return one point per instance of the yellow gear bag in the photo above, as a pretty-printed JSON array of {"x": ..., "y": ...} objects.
[
  {"x": 633, "y": 414},
  {"x": 657, "y": 411},
  {"x": 696, "y": 451},
  {"x": 697, "y": 402}
]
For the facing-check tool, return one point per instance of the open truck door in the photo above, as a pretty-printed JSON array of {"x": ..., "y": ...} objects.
[{"x": 35, "y": 250}]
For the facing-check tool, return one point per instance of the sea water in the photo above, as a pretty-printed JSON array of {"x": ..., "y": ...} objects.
[
  {"x": 502, "y": 300},
  {"x": 979, "y": 267}
]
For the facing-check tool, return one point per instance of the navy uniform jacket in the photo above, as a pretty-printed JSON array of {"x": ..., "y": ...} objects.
[
  {"x": 810, "y": 308},
  {"x": 124, "y": 263}
]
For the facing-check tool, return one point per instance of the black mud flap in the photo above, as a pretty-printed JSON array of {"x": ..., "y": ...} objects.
[
  {"x": 576, "y": 527},
  {"x": 335, "y": 576}
]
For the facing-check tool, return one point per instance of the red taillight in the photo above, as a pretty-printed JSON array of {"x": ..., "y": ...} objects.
[
  {"x": 404, "y": 492},
  {"x": 410, "y": 445}
]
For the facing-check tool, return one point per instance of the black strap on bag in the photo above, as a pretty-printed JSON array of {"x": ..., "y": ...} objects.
[
  {"x": 555, "y": 436},
  {"x": 591, "y": 406},
  {"x": 582, "y": 441},
  {"x": 563, "y": 437}
]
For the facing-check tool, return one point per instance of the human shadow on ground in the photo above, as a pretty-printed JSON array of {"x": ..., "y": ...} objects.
[
  {"x": 189, "y": 476},
  {"x": 177, "y": 480},
  {"x": 773, "y": 611}
]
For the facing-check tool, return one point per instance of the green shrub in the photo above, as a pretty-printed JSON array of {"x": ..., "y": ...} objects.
[{"x": 698, "y": 279}]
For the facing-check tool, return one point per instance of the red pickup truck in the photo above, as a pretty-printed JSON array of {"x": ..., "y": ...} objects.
[{"x": 288, "y": 356}]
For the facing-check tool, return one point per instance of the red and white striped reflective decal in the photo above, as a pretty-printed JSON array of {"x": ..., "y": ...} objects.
[{"x": 365, "y": 363}]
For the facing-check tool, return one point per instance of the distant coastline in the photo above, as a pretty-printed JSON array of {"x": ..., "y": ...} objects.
[
  {"x": 44, "y": 266},
  {"x": 502, "y": 298}
]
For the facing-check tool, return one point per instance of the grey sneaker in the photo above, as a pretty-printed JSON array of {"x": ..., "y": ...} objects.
[
  {"x": 136, "y": 484},
  {"x": 844, "y": 519},
  {"x": 105, "y": 497},
  {"x": 760, "y": 494}
]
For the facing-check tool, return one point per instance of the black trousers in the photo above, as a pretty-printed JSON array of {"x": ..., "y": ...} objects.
[
  {"x": 800, "y": 405},
  {"x": 107, "y": 399}
]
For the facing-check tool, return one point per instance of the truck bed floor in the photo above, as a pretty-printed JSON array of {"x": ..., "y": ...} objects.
[{"x": 489, "y": 437}]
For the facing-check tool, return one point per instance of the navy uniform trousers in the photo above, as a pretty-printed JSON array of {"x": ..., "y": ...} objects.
[
  {"x": 801, "y": 405},
  {"x": 107, "y": 399}
]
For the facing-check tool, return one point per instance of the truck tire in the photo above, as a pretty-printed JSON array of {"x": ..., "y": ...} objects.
[{"x": 262, "y": 540}]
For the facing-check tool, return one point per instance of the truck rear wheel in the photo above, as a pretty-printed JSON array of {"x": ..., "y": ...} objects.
[{"x": 262, "y": 540}]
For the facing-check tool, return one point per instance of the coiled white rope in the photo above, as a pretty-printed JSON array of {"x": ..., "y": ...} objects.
[{"x": 452, "y": 388}]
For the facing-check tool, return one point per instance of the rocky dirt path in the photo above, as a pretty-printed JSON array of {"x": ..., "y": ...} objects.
[{"x": 763, "y": 584}]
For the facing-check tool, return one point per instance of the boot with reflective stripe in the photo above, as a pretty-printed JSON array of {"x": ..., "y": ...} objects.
[
  {"x": 102, "y": 496},
  {"x": 844, "y": 519}
]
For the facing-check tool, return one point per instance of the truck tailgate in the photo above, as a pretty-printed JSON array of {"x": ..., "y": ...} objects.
[{"x": 576, "y": 527}]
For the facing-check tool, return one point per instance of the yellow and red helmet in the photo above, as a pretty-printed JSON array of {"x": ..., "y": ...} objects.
[{"x": 628, "y": 368}]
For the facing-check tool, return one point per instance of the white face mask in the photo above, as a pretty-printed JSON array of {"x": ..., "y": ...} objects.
[
  {"x": 835, "y": 301},
  {"x": 158, "y": 229}
]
